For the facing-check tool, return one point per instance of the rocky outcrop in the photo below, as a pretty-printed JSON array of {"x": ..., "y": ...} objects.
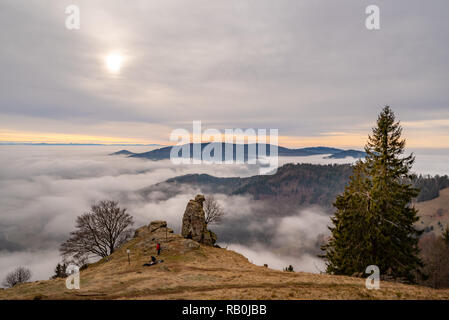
[
  {"x": 155, "y": 225},
  {"x": 194, "y": 223}
]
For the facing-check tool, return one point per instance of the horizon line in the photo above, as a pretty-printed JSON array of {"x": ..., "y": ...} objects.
[{"x": 12, "y": 143}]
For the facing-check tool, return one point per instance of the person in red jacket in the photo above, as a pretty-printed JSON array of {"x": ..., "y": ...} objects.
[{"x": 158, "y": 248}]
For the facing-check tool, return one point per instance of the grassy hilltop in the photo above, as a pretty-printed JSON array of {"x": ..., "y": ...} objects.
[{"x": 194, "y": 271}]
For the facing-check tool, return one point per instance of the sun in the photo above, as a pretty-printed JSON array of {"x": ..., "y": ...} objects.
[{"x": 114, "y": 62}]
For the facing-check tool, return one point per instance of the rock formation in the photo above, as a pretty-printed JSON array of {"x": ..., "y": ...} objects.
[
  {"x": 154, "y": 225},
  {"x": 159, "y": 227},
  {"x": 194, "y": 223}
]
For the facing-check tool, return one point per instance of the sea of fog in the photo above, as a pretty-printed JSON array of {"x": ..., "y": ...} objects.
[{"x": 44, "y": 188}]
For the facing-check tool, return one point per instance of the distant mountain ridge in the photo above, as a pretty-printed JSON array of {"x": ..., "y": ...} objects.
[
  {"x": 347, "y": 153},
  {"x": 264, "y": 149},
  {"x": 122, "y": 152},
  {"x": 293, "y": 184}
]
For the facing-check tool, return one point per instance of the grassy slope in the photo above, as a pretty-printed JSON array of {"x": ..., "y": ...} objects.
[
  {"x": 190, "y": 271},
  {"x": 433, "y": 211}
]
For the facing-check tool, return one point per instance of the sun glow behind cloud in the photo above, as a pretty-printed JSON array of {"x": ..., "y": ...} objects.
[{"x": 114, "y": 62}]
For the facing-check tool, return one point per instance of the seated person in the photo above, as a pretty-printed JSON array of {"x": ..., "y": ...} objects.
[{"x": 152, "y": 262}]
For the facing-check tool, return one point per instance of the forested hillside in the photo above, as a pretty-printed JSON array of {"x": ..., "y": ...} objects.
[
  {"x": 430, "y": 186},
  {"x": 296, "y": 184}
]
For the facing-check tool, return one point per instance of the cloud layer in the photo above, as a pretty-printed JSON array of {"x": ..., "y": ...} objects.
[{"x": 44, "y": 188}]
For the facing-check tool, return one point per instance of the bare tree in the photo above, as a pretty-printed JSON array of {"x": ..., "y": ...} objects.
[
  {"x": 212, "y": 210},
  {"x": 435, "y": 255},
  {"x": 19, "y": 275},
  {"x": 98, "y": 232}
]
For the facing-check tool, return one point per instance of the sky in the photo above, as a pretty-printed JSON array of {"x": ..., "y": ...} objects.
[{"x": 308, "y": 68}]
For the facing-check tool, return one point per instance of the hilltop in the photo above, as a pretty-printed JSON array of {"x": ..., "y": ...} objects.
[{"x": 194, "y": 271}]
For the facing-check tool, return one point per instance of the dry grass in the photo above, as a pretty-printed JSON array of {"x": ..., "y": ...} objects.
[
  {"x": 433, "y": 211},
  {"x": 201, "y": 272}
]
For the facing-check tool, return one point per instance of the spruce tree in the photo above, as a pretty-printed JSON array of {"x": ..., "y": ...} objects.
[
  {"x": 374, "y": 221},
  {"x": 351, "y": 223},
  {"x": 60, "y": 271}
]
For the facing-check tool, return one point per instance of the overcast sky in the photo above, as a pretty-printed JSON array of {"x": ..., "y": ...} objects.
[{"x": 308, "y": 68}]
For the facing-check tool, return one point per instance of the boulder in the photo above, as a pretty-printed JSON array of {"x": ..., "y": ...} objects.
[
  {"x": 155, "y": 225},
  {"x": 190, "y": 244},
  {"x": 194, "y": 223},
  {"x": 156, "y": 229}
]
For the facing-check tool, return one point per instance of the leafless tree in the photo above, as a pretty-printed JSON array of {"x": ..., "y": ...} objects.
[
  {"x": 19, "y": 275},
  {"x": 80, "y": 260},
  {"x": 98, "y": 232},
  {"x": 212, "y": 210}
]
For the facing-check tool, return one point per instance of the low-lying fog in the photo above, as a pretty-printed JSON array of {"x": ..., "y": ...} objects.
[{"x": 44, "y": 188}]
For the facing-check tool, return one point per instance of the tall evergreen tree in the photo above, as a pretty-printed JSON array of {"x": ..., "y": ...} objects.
[{"x": 374, "y": 222}]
